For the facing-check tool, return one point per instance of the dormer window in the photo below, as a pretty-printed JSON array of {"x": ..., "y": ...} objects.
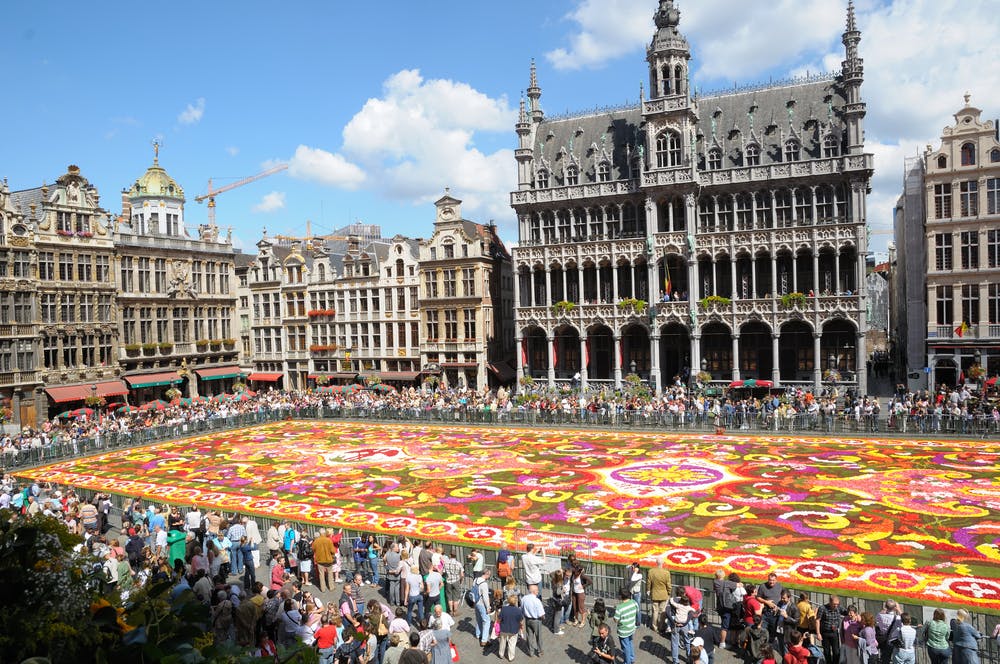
[
  {"x": 792, "y": 151},
  {"x": 969, "y": 154},
  {"x": 995, "y": 155},
  {"x": 753, "y": 155},
  {"x": 543, "y": 179},
  {"x": 714, "y": 159},
  {"x": 572, "y": 175},
  {"x": 831, "y": 146},
  {"x": 604, "y": 172},
  {"x": 449, "y": 250},
  {"x": 636, "y": 170},
  {"x": 668, "y": 149},
  {"x": 942, "y": 161}
]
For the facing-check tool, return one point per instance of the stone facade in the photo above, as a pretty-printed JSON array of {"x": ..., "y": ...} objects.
[
  {"x": 951, "y": 206},
  {"x": 724, "y": 233},
  {"x": 69, "y": 279},
  {"x": 177, "y": 295}
]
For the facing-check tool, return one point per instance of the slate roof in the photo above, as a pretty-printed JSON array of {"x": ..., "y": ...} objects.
[{"x": 806, "y": 109}]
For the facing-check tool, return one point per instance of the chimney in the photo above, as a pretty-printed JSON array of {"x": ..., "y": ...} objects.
[{"x": 126, "y": 208}]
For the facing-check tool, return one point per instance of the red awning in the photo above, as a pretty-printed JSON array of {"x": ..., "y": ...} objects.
[
  {"x": 108, "y": 388},
  {"x": 459, "y": 365},
  {"x": 406, "y": 376},
  {"x": 265, "y": 377},
  {"x": 217, "y": 373},
  {"x": 154, "y": 379}
]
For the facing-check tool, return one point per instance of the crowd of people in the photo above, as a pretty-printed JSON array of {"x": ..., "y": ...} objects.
[{"x": 944, "y": 410}]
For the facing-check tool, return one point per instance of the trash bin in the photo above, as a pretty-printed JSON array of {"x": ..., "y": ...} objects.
[{"x": 176, "y": 544}]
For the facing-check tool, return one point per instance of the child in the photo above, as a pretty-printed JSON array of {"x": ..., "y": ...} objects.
[{"x": 597, "y": 617}]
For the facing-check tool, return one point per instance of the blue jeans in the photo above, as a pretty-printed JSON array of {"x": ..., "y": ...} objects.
[
  {"x": 236, "y": 556},
  {"x": 680, "y": 637},
  {"x": 483, "y": 623},
  {"x": 360, "y": 567},
  {"x": 411, "y": 602},
  {"x": 628, "y": 653},
  {"x": 373, "y": 564},
  {"x": 638, "y": 608},
  {"x": 326, "y": 655}
]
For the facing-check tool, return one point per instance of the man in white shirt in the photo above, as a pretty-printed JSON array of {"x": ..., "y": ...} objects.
[
  {"x": 533, "y": 564},
  {"x": 534, "y": 614},
  {"x": 160, "y": 540}
]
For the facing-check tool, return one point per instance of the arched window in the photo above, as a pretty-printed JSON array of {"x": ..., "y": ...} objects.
[
  {"x": 572, "y": 175},
  {"x": 969, "y": 154},
  {"x": 668, "y": 149},
  {"x": 831, "y": 146},
  {"x": 399, "y": 267},
  {"x": 792, "y": 150},
  {"x": 604, "y": 172},
  {"x": 678, "y": 79},
  {"x": 714, "y": 159},
  {"x": 635, "y": 172},
  {"x": 942, "y": 162},
  {"x": 753, "y": 155},
  {"x": 665, "y": 80},
  {"x": 321, "y": 272},
  {"x": 995, "y": 155},
  {"x": 542, "y": 181}
]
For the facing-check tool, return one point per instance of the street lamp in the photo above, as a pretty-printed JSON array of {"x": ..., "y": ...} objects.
[
  {"x": 632, "y": 366},
  {"x": 704, "y": 364}
]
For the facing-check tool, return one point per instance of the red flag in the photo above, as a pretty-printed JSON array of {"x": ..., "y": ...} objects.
[
  {"x": 992, "y": 381},
  {"x": 961, "y": 377},
  {"x": 524, "y": 352},
  {"x": 961, "y": 329},
  {"x": 555, "y": 351},
  {"x": 586, "y": 353}
]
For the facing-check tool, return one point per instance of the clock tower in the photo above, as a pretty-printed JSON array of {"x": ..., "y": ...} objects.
[{"x": 449, "y": 209}]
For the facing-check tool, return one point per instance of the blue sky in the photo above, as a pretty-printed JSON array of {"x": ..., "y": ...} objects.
[{"x": 379, "y": 106}]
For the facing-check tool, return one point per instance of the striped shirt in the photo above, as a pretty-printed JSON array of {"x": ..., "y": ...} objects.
[{"x": 625, "y": 616}]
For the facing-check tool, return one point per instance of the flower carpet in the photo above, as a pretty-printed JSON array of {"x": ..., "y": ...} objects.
[{"x": 909, "y": 519}]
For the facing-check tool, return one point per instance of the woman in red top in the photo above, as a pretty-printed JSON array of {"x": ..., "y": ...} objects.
[{"x": 326, "y": 640}]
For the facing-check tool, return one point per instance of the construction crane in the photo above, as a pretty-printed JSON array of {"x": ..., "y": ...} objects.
[{"x": 211, "y": 193}]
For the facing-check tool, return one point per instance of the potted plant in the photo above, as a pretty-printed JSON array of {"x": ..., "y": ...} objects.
[
  {"x": 322, "y": 380},
  {"x": 832, "y": 376},
  {"x": 132, "y": 349},
  {"x": 975, "y": 372},
  {"x": 790, "y": 300},
  {"x": 703, "y": 377},
  {"x": 714, "y": 301},
  {"x": 638, "y": 306},
  {"x": 94, "y": 401},
  {"x": 239, "y": 386},
  {"x": 202, "y": 344},
  {"x": 165, "y": 346},
  {"x": 526, "y": 382},
  {"x": 229, "y": 342},
  {"x": 149, "y": 348},
  {"x": 216, "y": 344},
  {"x": 564, "y": 307},
  {"x": 173, "y": 393}
]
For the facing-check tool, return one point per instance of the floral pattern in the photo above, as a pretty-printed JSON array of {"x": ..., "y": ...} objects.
[{"x": 916, "y": 519}]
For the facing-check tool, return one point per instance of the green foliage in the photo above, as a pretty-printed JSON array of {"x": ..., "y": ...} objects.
[
  {"x": 716, "y": 300},
  {"x": 789, "y": 300},
  {"x": 563, "y": 307},
  {"x": 45, "y": 593},
  {"x": 631, "y": 303}
]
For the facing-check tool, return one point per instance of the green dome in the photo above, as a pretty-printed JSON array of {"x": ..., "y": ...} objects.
[{"x": 157, "y": 183}]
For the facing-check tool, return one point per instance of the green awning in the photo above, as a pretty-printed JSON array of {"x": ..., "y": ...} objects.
[
  {"x": 154, "y": 380},
  {"x": 219, "y": 373}
]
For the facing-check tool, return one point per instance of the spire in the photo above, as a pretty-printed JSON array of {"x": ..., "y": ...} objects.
[
  {"x": 667, "y": 16},
  {"x": 522, "y": 115},
  {"x": 852, "y": 24},
  {"x": 534, "y": 95},
  {"x": 156, "y": 152}
]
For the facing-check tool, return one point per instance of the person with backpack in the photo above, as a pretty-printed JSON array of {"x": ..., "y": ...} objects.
[
  {"x": 887, "y": 627},
  {"x": 504, "y": 570},
  {"x": 305, "y": 557},
  {"x": 725, "y": 602},
  {"x": 481, "y": 597}
]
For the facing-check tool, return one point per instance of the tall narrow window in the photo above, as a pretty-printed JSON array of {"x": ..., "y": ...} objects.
[
  {"x": 993, "y": 196},
  {"x": 969, "y": 198},
  {"x": 995, "y": 155},
  {"x": 994, "y": 303},
  {"x": 783, "y": 207},
  {"x": 543, "y": 179},
  {"x": 572, "y": 175},
  {"x": 945, "y": 309},
  {"x": 970, "y": 250},
  {"x": 993, "y": 248},
  {"x": 942, "y": 162},
  {"x": 970, "y": 304},
  {"x": 831, "y": 146},
  {"x": 668, "y": 149},
  {"x": 753, "y": 155},
  {"x": 942, "y": 251},
  {"x": 969, "y": 154},
  {"x": 674, "y": 146},
  {"x": 604, "y": 172},
  {"x": 942, "y": 201}
]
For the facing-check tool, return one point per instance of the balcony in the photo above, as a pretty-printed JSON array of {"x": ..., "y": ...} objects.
[
  {"x": 450, "y": 346},
  {"x": 18, "y": 331},
  {"x": 15, "y": 378}
]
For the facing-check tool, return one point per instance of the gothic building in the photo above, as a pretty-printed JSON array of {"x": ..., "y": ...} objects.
[
  {"x": 722, "y": 233},
  {"x": 72, "y": 298},
  {"x": 176, "y": 297},
  {"x": 947, "y": 305}
]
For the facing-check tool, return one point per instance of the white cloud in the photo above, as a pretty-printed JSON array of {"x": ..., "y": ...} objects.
[
  {"x": 419, "y": 137},
  {"x": 607, "y": 29},
  {"x": 193, "y": 113},
  {"x": 271, "y": 202},
  {"x": 325, "y": 167},
  {"x": 232, "y": 150}
]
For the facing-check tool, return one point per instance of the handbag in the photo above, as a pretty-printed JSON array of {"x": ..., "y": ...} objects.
[
  {"x": 383, "y": 629},
  {"x": 454, "y": 653}
]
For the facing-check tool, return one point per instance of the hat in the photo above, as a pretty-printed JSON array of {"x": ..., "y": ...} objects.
[{"x": 698, "y": 641}]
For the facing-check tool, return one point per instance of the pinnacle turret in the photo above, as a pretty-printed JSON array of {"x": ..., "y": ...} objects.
[{"x": 535, "y": 95}]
